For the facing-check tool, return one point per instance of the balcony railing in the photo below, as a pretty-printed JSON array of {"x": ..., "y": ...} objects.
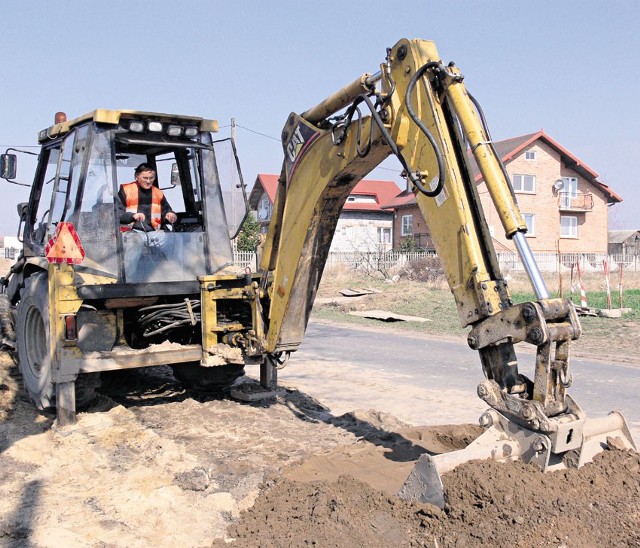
[{"x": 581, "y": 201}]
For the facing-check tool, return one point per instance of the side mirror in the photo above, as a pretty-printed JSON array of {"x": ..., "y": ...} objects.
[
  {"x": 8, "y": 166},
  {"x": 22, "y": 209}
]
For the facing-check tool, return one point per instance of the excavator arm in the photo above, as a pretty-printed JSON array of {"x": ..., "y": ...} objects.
[{"x": 418, "y": 109}]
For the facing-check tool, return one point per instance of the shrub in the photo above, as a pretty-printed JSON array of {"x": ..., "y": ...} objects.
[{"x": 426, "y": 269}]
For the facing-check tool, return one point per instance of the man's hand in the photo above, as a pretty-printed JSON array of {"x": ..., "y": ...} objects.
[
  {"x": 139, "y": 217},
  {"x": 171, "y": 217}
]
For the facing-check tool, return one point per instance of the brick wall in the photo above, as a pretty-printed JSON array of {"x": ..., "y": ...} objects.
[
  {"x": 421, "y": 234},
  {"x": 544, "y": 205}
]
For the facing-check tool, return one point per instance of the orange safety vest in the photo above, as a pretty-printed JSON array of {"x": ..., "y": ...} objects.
[{"x": 131, "y": 193}]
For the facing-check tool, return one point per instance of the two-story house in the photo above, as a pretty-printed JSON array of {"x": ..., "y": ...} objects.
[
  {"x": 262, "y": 197},
  {"x": 364, "y": 225},
  {"x": 562, "y": 201},
  {"x": 409, "y": 226}
]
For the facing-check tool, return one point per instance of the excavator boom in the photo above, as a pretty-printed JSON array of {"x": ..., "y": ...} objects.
[{"x": 418, "y": 109}]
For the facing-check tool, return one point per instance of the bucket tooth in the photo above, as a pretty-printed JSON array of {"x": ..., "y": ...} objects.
[{"x": 424, "y": 483}]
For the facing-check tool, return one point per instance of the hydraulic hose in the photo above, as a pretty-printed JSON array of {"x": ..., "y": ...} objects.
[
  {"x": 346, "y": 119},
  {"x": 441, "y": 169}
]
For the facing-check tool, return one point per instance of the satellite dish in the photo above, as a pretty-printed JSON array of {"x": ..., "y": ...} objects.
[{"x": 558, "y": 185}]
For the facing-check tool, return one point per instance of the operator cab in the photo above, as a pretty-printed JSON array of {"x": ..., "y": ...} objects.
[{"x": 84, "y": 162}]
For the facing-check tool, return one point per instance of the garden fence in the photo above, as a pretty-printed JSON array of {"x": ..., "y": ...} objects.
[{"x": 509, "y": 261}]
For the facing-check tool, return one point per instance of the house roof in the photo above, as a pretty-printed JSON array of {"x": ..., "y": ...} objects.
[
  {"x": 400, "y": 200},
  {"x": 268, "y": 183},
  {"x": 381, "y": 191},
  {"x": 510, "y": 148},
  {"x": 621, "y": 236}
]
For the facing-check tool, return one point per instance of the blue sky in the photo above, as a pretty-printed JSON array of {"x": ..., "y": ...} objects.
[{"x": 570, "y": 67}]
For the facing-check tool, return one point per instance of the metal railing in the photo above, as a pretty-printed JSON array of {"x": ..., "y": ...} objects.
[
  {"x": 582, "y": 201},
  {"x": 589, "y": 262},
  {"x": 245, "y": 259},
  {"x": 509, "y": 260}
]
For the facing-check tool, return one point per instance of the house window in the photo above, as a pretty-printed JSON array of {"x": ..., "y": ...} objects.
[
  {"x": 530, "y": 220},
  {"x": 524, "y": 183},
  {"x": 384, "y": 235},
  {"x": 569, "y": 192},
  {"x": 568, "y": 226},
  {"x": 264, "y": 208},
  {"x": 362, "y": 198},
  {"x": 530, "y": 155},
  {"x": 407, "y": 225}
]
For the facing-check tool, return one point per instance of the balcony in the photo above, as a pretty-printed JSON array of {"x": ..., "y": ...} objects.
[{"x": 576, "y": 202}]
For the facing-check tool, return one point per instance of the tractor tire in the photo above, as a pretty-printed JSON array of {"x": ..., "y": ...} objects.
[
  {"x": 207, "y": 379},
  {"x": 32, "y": 334}
]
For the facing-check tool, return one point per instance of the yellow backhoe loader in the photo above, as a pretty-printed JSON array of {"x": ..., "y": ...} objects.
[{"x": 82, "y": 306}]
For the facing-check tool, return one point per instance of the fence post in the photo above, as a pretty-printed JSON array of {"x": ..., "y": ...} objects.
[
  {"x": 605, "y": 267},
  {"x": 571, "y": 284},
  {"x": 621, "y": 266},
  {"x": 559, "y": 264},
  {"x": 583, "y": 293}
]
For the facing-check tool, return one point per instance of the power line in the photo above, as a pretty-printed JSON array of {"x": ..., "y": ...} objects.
[
  {"x": 389, "y": 169},
  {"x": 398, "y": 171},
  {"x": 258, "y": 133},
  {"x": 221, "y": 127}
]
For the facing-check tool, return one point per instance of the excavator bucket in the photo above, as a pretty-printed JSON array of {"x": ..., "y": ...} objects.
[{"x": 505, "y": 441}]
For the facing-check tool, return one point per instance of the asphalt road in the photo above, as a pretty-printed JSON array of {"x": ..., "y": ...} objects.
[{"x": 425, "y": 380}]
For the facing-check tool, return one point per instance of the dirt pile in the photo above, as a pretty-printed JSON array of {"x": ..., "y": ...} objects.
[
  {"x": 153, "y": 464},
  {"x": 489, "y": 504}
]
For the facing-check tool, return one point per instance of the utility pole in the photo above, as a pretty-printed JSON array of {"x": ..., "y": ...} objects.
[{"x": 234, "y": 221}]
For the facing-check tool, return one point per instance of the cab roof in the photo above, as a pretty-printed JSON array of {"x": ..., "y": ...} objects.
[{"x": 105, "y": 116}]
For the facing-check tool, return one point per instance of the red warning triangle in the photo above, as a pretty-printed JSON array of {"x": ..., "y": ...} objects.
[{"x": 65, "y": 246}]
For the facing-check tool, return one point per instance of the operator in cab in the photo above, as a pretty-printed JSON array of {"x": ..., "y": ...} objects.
[
  {"x": 144, "y": 206},
  {"x": 145, "y": 214}
]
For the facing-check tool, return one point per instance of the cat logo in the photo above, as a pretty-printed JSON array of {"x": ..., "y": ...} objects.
[
  {"x": 299, "y": 141},
  {"x": 295, "y": 145}
]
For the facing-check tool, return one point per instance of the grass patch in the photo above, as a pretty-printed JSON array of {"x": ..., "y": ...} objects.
[
  {"x": 595, "y": 299},
  {"x": 403, "y": 298},
  {"x": 603, "y": 338}
]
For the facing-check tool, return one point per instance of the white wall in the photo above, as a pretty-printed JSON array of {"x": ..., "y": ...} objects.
[{"x": 358, "y": 231}]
